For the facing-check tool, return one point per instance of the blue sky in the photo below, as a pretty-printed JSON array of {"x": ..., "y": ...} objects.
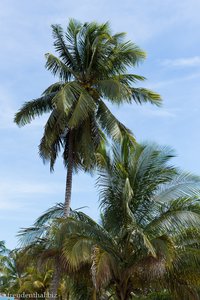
[{"x": 169, "y": 31}]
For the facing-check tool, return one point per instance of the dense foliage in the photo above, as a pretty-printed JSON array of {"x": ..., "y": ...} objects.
[{"x": 146, "y": 245}]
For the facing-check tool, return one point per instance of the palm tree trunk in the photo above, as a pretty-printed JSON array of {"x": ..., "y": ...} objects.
[
  {"x": 55, "y": 282},
  {"x": 121, "y": 295},
  {"x": 94, "y": 295},
  {"x": 57, "y": 273},
  {"x": 68, "y": 189},
  {"x": 122, "y": 290}
]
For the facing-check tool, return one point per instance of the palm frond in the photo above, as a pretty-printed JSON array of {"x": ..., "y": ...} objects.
[
  {"x": 84, "y": 107},
  {"x": 182, "y": 185},
  {"x": 57, "y": 67},
  {"x": 52, "y": 213},
  {"x": 141, "y": 95},
  {"x": 110, "y": 124},
  {"x": 181, "y": 213},
  {"x": 51, "y": 141},
  {"x": 32, "y": 235},
  {"x": 61, "y": 47},
  {"x": 53, "y": 88},
  {"x": 34, "y": 108}
]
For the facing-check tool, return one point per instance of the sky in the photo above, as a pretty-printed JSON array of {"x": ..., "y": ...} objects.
[{"x": 169, "y": 31}]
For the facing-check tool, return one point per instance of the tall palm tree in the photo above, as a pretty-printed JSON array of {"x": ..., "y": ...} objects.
[
  {"x": 149, "y": 236},
  {"x": 92, "y": 65}
]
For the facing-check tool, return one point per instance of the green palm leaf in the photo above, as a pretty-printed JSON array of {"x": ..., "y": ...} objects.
[{"x": 34, "y": 108}]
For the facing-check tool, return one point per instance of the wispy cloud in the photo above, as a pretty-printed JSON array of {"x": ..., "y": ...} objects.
[
  {"x": 193, "y": 61},
  {"x": 4, "y": 205},
  {"x": 162, "y": 113},
  {"x": 20, "y": 195},
  {"x": 7, "y": 109},
  {"x": 14, "y": 194},
  {"x": 18, "y": 187},
  {"x": 173, "y": 81}
]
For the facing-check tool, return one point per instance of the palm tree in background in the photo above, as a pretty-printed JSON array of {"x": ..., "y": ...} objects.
[
  {"x": 36, "y": 281},
  {"x": 12, "y": 272},
  {"x": 20, "y": 274},
  {"x": 92, "y": 66},
  {"x": 3, "y": 250},
  {"x": 2, "y": 247},
  {"x": 43, "y": 244},
  {"x": 3, "y": 256},
  {"x": 149, "y": 236}
]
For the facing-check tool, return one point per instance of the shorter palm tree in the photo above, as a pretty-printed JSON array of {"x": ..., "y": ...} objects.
[{"x": 148, "y": 239}]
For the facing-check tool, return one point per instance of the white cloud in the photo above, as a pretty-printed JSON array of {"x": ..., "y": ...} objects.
[
  {"x": 14, "y": 194},
  {"x": 6, "y": 109},
  {"x": 182, "y": 62},
  {"x": 19, "y": 187},
  {"x": 175, "y": 80},
  {"x": 20, "y": 195},
  {"x": 4, "y": 205},
  {"x": 166, "y": 113}
]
